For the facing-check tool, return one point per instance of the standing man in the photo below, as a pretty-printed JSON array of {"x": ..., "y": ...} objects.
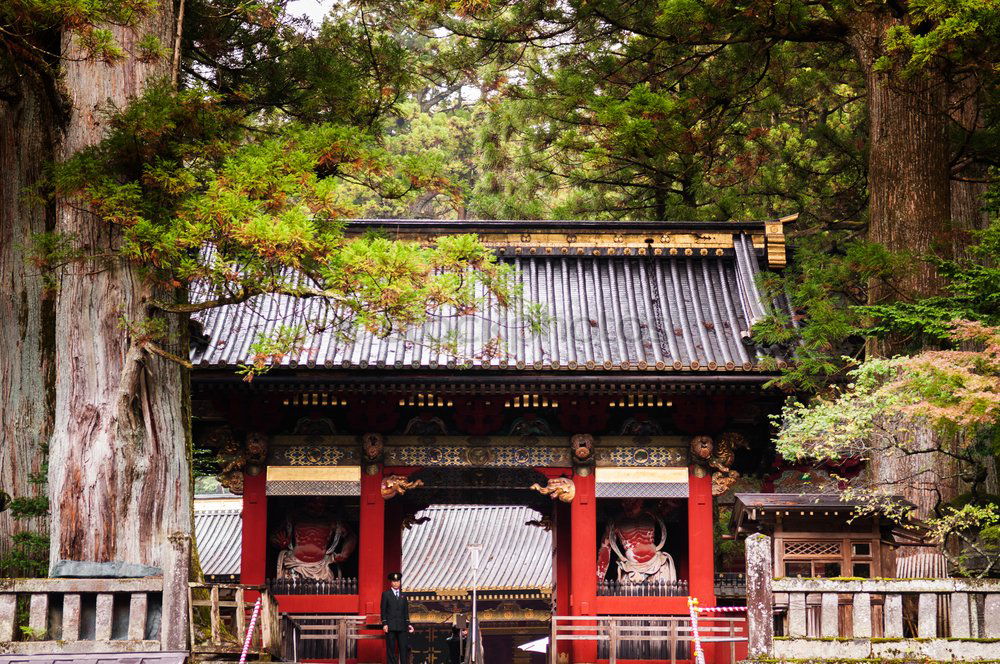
[{"x": 396, "y": 621}]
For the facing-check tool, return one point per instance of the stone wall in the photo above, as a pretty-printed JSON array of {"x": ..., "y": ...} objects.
[{"x": 881, "y": 619}]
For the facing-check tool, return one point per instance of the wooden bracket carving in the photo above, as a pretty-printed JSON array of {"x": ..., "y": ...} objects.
[
  {"x": 561, "y": 488},
  {"x": 397, "y": 485}
]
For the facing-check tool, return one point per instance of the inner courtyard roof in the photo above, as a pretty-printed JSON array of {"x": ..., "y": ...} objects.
[
  {"x": 514, "y": 555},
  {"x": 642, "y": 296}
]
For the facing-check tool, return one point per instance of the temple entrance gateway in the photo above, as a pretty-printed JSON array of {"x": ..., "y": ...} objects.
[{"x": 640, "y": 401}]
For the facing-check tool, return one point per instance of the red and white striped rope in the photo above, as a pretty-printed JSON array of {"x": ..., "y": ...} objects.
[
  {"x": 250, "y": 629},
  {"x": 720, "y": 609},
  {"x": 699, "y": 656}
]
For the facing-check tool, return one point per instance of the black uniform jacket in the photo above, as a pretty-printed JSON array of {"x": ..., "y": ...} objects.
[{"x": 395, "y": 612}]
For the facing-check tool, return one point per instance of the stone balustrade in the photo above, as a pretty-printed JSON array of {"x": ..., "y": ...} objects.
[
  {"x": 938, "y": 619},
  {"x": 80, "y": 615}
]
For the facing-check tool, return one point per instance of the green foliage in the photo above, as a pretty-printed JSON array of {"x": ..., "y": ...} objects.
[
  {"x": 972, "y": 292},
  {"x": 202, "y": 197},
  {"x": 100, "y": 44},
  {"x": 31, "y": 633},
  {"x": 948, "y": 30},
  {"x": 270, "y": 349},
  {"x": 30, "y": 30},
  {"x": 151, "y": 48},
  {"x": 725, "y": 546},
  {"x": 883, "y": 411},
  {"x": 51, "y": 251},
  {"x": 828, "y": 283},
  {"x": 28, "y": 555},
  {"x": 29, "y": 507},
  {"x": 663, "y": 110}
]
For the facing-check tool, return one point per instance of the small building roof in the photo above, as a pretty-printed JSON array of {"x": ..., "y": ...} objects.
[
  {"x": 218, "y": 532},
  {"x": 515, "y": 556},
  {"x": 749, "y": 508},
  {"x": 639, "y": 297}
]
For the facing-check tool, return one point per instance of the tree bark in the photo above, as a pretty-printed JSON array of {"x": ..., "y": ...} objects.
[
  {"x": 119, "y": 467},
  {"x": 27, "y": 320},
  {"x": 909, "y": 175},
  {"x": 909, "y": 188},
  {"x": 969, "y": 176}
]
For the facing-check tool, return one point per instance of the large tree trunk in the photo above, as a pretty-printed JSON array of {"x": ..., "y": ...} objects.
[
  {"x": 27, "y": 323},
  {"x": 909, "y": 187},
  {"x": 969, "y": 176},
  {"x": 119, "y": 457},
  {"x": 909, "y": 174}
]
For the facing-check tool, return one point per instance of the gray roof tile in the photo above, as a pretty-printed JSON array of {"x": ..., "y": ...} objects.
[
  {"x": 515, "y": 556},
  {"x": 609, "y": 313},
  {"x": 219, "y": 536}
]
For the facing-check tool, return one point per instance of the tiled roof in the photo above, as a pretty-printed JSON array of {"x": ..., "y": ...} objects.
[
  {"x": 780, "y": 501},
  {"x": 609, "y": 312},
  {"x": 515, "y": 556},
  {"x": 218, "y": 535}
]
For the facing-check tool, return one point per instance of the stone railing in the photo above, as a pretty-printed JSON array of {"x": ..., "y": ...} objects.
[
  {"x": 100, "y": 615},
  {"x": 80, "y": 615},
  {"x": 937, "y": 619}
]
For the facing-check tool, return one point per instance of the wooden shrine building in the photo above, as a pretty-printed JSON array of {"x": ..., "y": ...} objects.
[
  {"x": 824, "y": 535},
  {"x": 642, "y": 397}
]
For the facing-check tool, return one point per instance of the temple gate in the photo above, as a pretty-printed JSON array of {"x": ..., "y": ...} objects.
[{"x": 641, "y": 400}]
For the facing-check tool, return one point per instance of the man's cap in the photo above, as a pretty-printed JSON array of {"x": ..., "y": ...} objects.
[{"x": 395, "y": 576}]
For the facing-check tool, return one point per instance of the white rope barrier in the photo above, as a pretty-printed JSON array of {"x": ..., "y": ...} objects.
[
  {"x": 694, "y": 610},
  {"x": 699, "y": 656},
  {"x": 720, "y": 609},
  {"x": 250, "y": 629}
]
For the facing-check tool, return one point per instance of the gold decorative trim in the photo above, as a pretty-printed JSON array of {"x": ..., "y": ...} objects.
[
  {"x": 774, "y": 241},
  {"x": 314, "y": 473},
  {"x": 661, "y": 475}
]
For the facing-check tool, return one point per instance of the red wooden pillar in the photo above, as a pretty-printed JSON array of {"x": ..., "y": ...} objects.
[
  {"x": 393, "y": 556},
  {"x": 371, "y": 549},
  {"x": 583, "y": 561},
  {"x": 253, "y": 560},
  {"x": 562, "y": 531},
  {"x": 701, "y": 546}
]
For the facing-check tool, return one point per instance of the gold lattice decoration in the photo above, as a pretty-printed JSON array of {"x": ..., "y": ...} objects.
[{"x": 812, "y": 548}]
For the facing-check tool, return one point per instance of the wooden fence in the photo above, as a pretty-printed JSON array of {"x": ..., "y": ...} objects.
[
  {"x": 82, "y": 615},
  {"x": 658, "y": 637},
  {"x": 938, "y": 619},
  {"x": 336, "y": 635},
  {"x": 221, "y": 614}
]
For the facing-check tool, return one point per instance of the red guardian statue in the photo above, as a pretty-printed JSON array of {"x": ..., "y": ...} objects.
[
  {"x": 631, "y": 537},
  {"x": 313, "y": 543}
]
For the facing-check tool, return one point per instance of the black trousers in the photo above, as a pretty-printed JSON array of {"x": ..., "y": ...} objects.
[{"x": 397, "y": 638}]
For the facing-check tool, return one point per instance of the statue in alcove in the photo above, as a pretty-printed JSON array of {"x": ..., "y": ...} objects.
[
  {"x": 313, "y": 542},
  {"x": 631, "y": 537}
]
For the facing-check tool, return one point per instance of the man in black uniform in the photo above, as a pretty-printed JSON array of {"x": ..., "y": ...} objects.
[{"x": 396, "y": 621}]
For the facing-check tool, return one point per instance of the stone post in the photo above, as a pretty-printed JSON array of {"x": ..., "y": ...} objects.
[
  {"x": 176, "y": 575},
  {"x": 760, "y": 598}
]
